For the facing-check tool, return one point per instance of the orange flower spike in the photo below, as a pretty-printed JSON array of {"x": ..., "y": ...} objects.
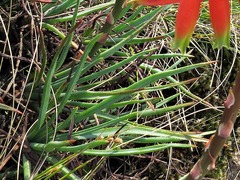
[
  {"x": 152, "y": 2},
  {"x": 220, "y": 18},
  {"x": 187, "y": 16}
]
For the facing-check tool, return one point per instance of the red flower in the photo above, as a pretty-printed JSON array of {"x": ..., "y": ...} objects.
[
  {"x": 187, "y": 17},
  {"x": 220, "y": 18}
]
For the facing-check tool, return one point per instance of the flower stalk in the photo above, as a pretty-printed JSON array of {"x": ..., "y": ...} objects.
[
  {"x": 111, "y": 19},
  {"x": 217, "y": 141}
]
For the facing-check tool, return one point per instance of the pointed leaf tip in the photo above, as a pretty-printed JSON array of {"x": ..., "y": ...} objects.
[{"x": 9, "y": 108}]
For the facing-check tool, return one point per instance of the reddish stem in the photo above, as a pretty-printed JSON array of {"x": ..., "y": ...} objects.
[{"x": 216, "y": 143}]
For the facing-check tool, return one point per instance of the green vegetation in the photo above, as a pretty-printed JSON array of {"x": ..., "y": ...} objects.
[{"x": 93, "y": 90}]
